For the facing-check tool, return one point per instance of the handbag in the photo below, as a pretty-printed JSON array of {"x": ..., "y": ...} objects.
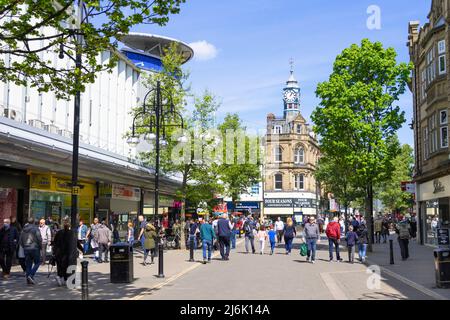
[
  {"x": 21, "y": 253},
  {"x": 48, "y": 250},
  {"x": 303, "y": 249}
]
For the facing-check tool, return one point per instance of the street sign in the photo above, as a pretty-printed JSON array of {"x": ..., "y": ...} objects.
[
  {"x": 409, "y": 186},
  {"x": 443, "y": 237}
]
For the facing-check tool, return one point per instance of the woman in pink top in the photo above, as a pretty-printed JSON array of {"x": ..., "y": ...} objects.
[{"x": 262, "y": 237}]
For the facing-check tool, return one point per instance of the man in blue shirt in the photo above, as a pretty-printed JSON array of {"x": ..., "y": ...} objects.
[
  {"x": 207, "y": 235},
  {"x": 193, "y": 230}
]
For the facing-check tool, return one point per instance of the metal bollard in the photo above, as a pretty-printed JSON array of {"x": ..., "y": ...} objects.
[
  {"x": 160, "y": 261},
  {"x": 391, "y": 249},
  {"x": 191, "y": 250},
  {"x": 84, "y": 280}
]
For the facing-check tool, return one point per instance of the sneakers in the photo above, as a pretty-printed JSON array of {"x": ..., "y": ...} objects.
[
  {"x": 209, "y": 260},
  {"x": 260, "y": 253},
  {"x": 204, "y": 261},
  {"x": 313, "y": 261},
  {"x": 30, "y": 280}
]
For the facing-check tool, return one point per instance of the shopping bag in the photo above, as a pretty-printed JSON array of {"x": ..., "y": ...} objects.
[{"x": 303, "y": 249}]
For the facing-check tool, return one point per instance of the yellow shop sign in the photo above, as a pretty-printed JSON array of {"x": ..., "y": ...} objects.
[{"x": 41, "y": 181}]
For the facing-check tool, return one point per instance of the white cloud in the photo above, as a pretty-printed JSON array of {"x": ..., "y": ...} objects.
[{"x": 203, "y": 50}]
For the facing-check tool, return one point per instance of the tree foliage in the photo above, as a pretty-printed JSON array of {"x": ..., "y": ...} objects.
[
  {"x": 389, "y": 192},
  {"x": 32, "y": 32}
]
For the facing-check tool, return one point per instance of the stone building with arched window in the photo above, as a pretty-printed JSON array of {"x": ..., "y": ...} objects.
[{"x": 292, "y": 153}]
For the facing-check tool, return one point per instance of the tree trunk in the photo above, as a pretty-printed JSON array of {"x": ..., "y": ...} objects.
[
  {"x": 369, "y": 216},
  {"x": 346, "y": 216}
]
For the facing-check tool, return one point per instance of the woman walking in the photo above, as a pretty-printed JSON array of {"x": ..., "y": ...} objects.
[
  {"x": 65, "y": 251},
  {"x": 262, "y": 237},
  {"x": 149, "y": 242},
  {"x": 289, "y": 234}
]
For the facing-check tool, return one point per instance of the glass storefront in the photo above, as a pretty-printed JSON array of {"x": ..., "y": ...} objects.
[
  {"x": 50, "y": 196},
  {"x": 436, "y": 215}
]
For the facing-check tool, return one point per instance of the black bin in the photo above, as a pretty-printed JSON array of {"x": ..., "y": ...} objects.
[
  {"x": 442, "y": 267},
  {"x": 121, "y": 263}
]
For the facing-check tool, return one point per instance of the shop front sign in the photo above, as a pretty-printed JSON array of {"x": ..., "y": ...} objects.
[
  {"x": 126, "y": 192},
  {"x": 438, "y": 186},
  {"x": 289, "y": 203}
]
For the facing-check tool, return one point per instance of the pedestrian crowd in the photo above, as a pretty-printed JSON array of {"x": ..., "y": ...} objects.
[{"x": 45, "y": 241}]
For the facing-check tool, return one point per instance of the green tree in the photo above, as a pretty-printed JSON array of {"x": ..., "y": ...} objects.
[
  {"x": 338, "y": 178},
  {"x": 56, "y": 24},
  {"x": 238, "y": 169},
  {"x": 357, "y": 115},
  {"x": 390, "y": 193}
]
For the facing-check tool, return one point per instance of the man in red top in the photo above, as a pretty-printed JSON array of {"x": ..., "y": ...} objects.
[{"x": 333, "y": 233}]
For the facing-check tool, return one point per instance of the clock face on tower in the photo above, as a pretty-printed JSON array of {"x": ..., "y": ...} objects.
[{"x": 290, "y": 96}]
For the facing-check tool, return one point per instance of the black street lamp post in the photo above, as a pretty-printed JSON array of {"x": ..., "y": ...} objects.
[{"x": 157, "y": 120}]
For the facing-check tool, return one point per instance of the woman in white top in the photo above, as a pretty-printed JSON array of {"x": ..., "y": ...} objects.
[{"x": 262, "y": 237}]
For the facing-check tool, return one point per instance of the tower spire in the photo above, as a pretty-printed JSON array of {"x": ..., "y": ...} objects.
[{"x": 291, "y": 62}]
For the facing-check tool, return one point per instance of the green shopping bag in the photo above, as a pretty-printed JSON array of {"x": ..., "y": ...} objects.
[{"x": 303, "y": 249}]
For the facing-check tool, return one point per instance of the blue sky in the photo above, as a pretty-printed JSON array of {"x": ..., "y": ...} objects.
[{"x": 255, "y": 39}]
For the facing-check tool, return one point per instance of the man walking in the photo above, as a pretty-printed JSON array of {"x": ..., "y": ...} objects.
[
  {"x": 249, "y": 226},
  {"x": 404, "y": 234},
  {"x": 333, "y": 233},
  {"x": 279, "y": 227},
  {"x": 224, "y": 227},
  {"x": 104, "y": 236},
  {"x": 142, "y": 225},
  {"x": 92, "y": 234},
  {"x": 46, "y": 236},
  {"x": 176, "y": 228},
  {"x": 31, "y": 242},
  {"x": 378, "y": 228},
  {"x": 9, "y": 237},
  {"x": 207, "y": 235},
  {"x": 312, "y": 235},
  {"x": 193, "y": 230}
]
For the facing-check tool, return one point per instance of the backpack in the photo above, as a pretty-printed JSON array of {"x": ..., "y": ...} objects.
[
  {"x": 248, "y": 228},
  {"x": 403, "y": 231}
]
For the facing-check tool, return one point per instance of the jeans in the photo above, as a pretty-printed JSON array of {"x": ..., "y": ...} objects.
[
  {"x": 378, "y": 236},
  {"x": 6, "y": 260},
  {"x": 362, "y": 249},
  {"x": 288, "y": 244},
  {"x": 249, "y": 240},
  {"x": 207, "y": 245},
  {"x": 193, "y": 236},
  {"x": 272, "y": 246},
  {"x": 312, "y": 245},
  {"x": 233, "y": 239},
  {"x": 331, "y": 243},
  {"x": 152, "y": 254},
  {"x": 43, "y": 253},
  {"x": 351, "y": 253},
  {"x": 404, "y": 248},
  {"x": 32, "y": 261},
  {"x": 224, "y": 243},
  {"x": 103, "y": 249},
  {"x": 279, "y": 235}
]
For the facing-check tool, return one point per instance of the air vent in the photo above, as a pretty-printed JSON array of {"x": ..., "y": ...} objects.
[
  {"x": 51, "y": 128},
  {"x": 36, "y": 123},
  {"x": 65, "y": 133}
]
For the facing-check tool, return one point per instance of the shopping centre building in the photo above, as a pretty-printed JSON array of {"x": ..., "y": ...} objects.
[{"x": 36, "y": 143}]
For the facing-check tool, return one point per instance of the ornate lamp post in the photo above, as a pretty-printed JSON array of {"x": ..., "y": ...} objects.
[{"x": 159, "y": 118}]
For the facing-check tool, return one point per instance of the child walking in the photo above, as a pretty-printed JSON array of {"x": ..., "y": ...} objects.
[
  {"x": 351, "y": 238},
  {"x": 262, "y": 237},
  {"x": 272, "y": 239}
]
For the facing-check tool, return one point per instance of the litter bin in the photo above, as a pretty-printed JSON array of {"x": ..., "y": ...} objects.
[
  {"x": 442, "y": 267},
  {"x": 121, "y": 263}
]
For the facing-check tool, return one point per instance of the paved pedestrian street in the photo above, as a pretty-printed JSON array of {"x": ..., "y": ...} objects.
[{"x": 250, "y": 277}]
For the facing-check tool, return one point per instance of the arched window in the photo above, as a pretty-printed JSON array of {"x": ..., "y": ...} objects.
[
  {"x": 299, "y": 182},
  {"x": 278, "y": 181},
  {"x": 278, "y": 154},
  {"x": 299, "y": 155}
]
